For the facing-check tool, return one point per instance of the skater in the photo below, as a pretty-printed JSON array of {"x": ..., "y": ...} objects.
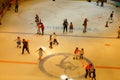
[
  {"x": 65, "y": 25},
  {"x": 106, "y": 25},
  {"x": 40, "y": 52},
  {"x": 111, "y": 16},
  {"x": 54, "y": 38},
  {"x": 119, "y": 32},
  {"x": 102, "y": 3},
  {"x": 87, "y": 69},
  {"x": 18, "y": 41},
  {"x": 85, "y": 25},
  {"x": 71, "y": 27},
  {"x": 16, "y": 7},
  {"x": 42, "y": 28},
  {"x": 25, "y": 46},
  {"x": 76, "y": 53},
  {"x": 93, "y": 73},
  {"x": 81, "y": 53},
  {"x": 38, "y": 29},
  {"x": 51, "y": 42},
  {"x": 37, "y": 19},
  {"x": 97, "y": 2}
]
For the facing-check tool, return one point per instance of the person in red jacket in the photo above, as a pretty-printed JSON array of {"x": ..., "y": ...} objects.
[
  {"x": 42, "y": 28},
  {"x": 77, "y": 53},
  {"x": 87, "y": 69},
  {"x": 38, "y": 30}
]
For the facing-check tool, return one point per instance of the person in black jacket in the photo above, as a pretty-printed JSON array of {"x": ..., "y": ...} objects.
[
  {"x": 65, "y": 25},
  {"x": 25, "y": 46}
]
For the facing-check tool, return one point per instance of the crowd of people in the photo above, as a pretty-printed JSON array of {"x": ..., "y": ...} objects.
[{"x": 78, "y": 53}]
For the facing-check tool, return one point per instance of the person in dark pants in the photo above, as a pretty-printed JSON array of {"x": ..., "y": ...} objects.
[
  {"x": 65, "y": 25},
  {"x": 111, "y": 16},
  {"x": 94, "y": 74},
  {"x": 85, "y": 25},
  {"x": 37, "y": 19},
  {"x": 87, "y": 69},
  {"x": 97, "y": 2},
  {"x": 25, "y": 46},
  {"x": 54, "y": 38},
  {"x": 51, "y": 42},
  {"x": 16, "y": 7},
  {"x": 42, "y": 28},
  {"x": 102, "y": 3}
]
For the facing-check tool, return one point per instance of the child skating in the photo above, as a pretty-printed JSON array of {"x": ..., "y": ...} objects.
[
  {"x": 40, "y": 53},
  {"x": 18, "y": 41}
]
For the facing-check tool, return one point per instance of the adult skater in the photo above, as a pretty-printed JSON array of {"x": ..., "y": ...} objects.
[
  {"x": 111, "y": 16},
  {"x": 85, "y": 25},
  {"x": 87, "y": 69},
  {"x": 25, "y": 46},
  {"x": 65, "y": 25},
  {"x": 42, "y": 28}
]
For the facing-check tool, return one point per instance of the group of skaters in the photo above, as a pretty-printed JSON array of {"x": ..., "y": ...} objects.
[
  {"x": 40, "y": 25},
  {"x": 110, "y": 20},
  {"x": 25, "y": 44},
  {"x": 90, "y": 70},
  {"x": 100, "y": 1},
  {"x": 85, "y": 22},
  {"x": 78, "y": 53},
  {"x": 53, "y": 40},
  {"x": 65, "y": 26}
]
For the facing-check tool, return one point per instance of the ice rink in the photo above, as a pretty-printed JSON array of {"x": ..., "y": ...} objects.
[{"x": 100, "y": 43}]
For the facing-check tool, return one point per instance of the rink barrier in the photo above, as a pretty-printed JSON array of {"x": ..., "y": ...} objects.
[{"x": 68, "y": 35}]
